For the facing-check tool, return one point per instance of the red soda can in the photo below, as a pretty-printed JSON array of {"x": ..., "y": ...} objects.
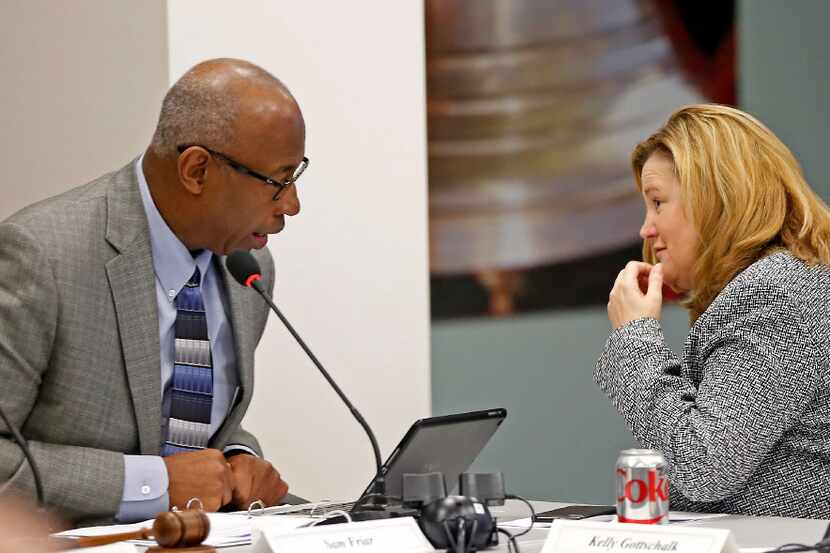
[{"x": 642, "y": 487}]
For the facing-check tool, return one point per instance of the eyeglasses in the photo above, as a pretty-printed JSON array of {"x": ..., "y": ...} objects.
[{"x": 238, "y": 167}]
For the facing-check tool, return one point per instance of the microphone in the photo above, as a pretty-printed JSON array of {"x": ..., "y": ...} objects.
[
  {"x": 24, "y": 445},
  {"x": 245, "y": 269}
]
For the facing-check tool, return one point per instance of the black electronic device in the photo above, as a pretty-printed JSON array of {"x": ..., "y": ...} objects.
[
  {"x": 459, "y": 524},
  {"x": 488, "y": 487},
  {"x": 574, "y": 512},
  {"x": 447, "y": 444}
]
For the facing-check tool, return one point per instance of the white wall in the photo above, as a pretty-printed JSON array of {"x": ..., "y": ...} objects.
[
  {"x": 82, "y": 84},
  {"x": 352, "y": 267}
]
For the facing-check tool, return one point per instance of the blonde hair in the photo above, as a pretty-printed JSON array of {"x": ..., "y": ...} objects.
[{"x": 744, "y": 193}]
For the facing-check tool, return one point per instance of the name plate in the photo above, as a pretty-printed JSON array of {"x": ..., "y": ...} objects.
[
  {"x": 401, "y": 535},
  {"x": 567, "y": 536}
]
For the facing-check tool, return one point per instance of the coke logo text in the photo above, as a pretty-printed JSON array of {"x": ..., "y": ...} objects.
[{"x": 637, "y": 490}]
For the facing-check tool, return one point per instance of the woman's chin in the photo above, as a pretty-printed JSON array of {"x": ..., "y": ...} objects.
[
  {"x": 672, "y": 288},
  {"x": 671, "y": 295}
]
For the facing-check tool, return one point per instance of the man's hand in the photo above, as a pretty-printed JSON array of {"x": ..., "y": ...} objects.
[
  {"x": 24, "y": 528},
  {"x": 205, "y": 474},
  {"x": 637, "y": 293},
  {"x": 255, "y": 478}
]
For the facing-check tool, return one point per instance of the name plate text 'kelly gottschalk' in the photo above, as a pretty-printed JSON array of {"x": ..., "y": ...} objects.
[
  {"x": 374, "y": 536},
  {"x": 567, "y": 536}
]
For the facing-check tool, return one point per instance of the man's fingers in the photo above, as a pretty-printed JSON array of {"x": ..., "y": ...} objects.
[
  {"x": 228, "y": 481},
  {"x": 255, "y": 478},
  {"x": 274, "y": 488},
  {"x": 239, "y": 497},
  {"x": 204, "y": 474},
  {"x": 282, "y": 491},
  {"x": 241, "y": 483},
  {"x": 267, "y": 484}
]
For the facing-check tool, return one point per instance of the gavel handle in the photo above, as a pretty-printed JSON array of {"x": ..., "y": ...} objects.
[{"x": 92, "y": 541}]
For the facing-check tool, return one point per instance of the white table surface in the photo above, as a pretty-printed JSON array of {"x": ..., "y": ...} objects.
[{"x": 767, "y": 532}]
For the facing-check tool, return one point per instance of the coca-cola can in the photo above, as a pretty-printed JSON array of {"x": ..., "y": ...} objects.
[{"x": 642, "y": 487}]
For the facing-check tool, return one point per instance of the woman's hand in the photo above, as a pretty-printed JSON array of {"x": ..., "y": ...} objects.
[{"x": 637, "y": 293}]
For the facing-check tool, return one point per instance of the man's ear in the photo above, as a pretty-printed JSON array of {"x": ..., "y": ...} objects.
[{"x": 192, "y": 169}]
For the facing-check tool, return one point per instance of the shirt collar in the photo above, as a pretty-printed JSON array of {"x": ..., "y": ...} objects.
[{"x": 173, "y": 263}]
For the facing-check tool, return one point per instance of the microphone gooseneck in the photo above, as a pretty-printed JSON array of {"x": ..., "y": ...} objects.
[
  {"x": 245, "y": 269},
  {"x": 24, "y": 445}
]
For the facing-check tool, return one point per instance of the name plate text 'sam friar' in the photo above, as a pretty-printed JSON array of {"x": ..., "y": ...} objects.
[{"x": 373, "y": 536}]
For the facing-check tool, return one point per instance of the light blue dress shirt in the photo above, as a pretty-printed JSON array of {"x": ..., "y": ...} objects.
[{"x": 146, "y": 482}]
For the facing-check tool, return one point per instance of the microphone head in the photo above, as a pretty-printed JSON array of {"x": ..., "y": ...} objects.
[{"x": 244, "y": 267}]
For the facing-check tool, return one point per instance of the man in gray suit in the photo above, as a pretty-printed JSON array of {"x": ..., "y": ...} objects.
[{"x": 126, "y": 349}]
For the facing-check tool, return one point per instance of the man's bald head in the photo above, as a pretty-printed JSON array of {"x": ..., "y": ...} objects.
[{"x": 206, "y": 105}]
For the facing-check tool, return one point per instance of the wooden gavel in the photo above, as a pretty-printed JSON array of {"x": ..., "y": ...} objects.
[{"x": 177, "y": 530}]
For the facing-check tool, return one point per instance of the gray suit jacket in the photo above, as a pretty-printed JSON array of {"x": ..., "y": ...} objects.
[
  {"x": 743, "y": 416},
  {"x": 79, "y": 344}
]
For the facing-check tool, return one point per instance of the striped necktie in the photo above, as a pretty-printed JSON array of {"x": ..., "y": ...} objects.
[{"x": 191, "y": 392}]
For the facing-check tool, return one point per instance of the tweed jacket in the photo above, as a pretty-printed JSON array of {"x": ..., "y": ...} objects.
[
  {"x": 79, "y": 345},
  {"x": 743, "y": 417}
]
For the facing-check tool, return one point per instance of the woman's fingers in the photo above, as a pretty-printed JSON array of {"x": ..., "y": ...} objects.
[{"x": 655, "y": 283}]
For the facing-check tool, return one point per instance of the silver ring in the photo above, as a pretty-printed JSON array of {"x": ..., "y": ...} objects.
[
  {"x": 257, "y": 504},
  {"x": 191, "y": 500}
]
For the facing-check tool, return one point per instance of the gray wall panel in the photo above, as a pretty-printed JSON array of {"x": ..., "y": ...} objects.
[{"x": 561, "y": 436}]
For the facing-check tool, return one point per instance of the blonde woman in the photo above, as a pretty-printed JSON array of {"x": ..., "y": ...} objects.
[{"x": 743, "y": 416}]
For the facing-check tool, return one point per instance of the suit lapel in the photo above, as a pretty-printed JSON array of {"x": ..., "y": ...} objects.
[
  {"x": 132, "y": 280},
  {"x": 238, "y": 298}
]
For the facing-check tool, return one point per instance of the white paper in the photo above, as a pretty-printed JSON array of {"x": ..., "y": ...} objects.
[
  {"x": 120, "y": 547},
  {"x": 104, "y": 530},
  {"x": 226, "y": 529},
  {"x": 675, "y": 517},
  {"x": 316, "y": 508},
  {"x": 280, "y": 523}
]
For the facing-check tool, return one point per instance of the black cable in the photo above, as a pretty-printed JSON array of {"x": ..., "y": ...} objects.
[
  {"x": 24, "y": 445},
  {"x": 515, "y": 544},
  {"x": 821, "y": 547},
  {"x": 512, "y": 545},
  {"x": 465, "y": 543},
  {"x": 532, "y": 513}
]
